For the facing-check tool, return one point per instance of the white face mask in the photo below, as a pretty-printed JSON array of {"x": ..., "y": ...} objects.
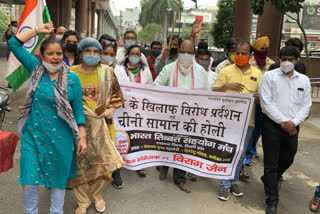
[
  {"x": 14, "y": 29},
  {"x": 108, "y": 60},
  {"x": 185, "y": 60},
  {"x": 286, "y": 66},
  {"x": 59, "y": 37},
  {"x": 51, "y": 68}
]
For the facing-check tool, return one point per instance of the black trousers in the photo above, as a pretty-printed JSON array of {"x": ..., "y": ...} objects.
[
  {"x": 179, "y": 175},
  {"x": 279, "y": 149}
]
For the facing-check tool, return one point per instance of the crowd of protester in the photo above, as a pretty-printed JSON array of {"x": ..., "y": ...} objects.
[{"x": 75, "y": 89}]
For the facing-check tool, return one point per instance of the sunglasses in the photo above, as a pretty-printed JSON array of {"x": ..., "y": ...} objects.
[{"x": 108, "y": 42}]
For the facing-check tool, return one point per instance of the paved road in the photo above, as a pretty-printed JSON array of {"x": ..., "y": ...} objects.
[{"x": 150, "y": 195}]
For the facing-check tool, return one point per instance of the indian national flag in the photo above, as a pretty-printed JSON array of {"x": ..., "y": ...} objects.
[{"x": 35, "y": 13}]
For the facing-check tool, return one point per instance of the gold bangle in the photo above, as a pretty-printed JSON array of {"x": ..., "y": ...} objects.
[{"x": 36, "y": 30}]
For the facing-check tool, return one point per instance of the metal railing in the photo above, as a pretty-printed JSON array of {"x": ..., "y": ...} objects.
[{"x": 315, "y": 89}]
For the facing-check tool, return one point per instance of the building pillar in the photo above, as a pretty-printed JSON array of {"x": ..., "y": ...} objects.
[
  {"x": 242, "y": 20},
  {"x": 82, "y": 18},
  {"x": 66, "y": 11},
  {"x": 270, "y": 24},
  {"x": 93, "y": 19},
  {"x": 53, "y": 6},
  {"x": 99, "y": 23}
]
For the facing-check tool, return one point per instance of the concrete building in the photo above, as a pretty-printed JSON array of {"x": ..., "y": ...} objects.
[
  {"x": 88, "y": 17},
  {"x": 129, "y": 20}
]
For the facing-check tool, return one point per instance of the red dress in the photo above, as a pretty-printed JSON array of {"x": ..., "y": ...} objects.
[{"x": 151, "y": 62}]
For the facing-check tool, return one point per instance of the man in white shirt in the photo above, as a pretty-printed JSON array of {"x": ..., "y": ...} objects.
[
  {"x": 130, "y": 38},
  {"x": 286, "y": 101},
  {"x": 203, "y": 58}
]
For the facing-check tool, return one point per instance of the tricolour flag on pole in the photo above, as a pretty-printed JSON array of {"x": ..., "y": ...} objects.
[{"x": 35, "y": 13}]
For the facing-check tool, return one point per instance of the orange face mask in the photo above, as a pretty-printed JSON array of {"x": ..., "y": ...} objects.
[{"x": 241, "y": 60}]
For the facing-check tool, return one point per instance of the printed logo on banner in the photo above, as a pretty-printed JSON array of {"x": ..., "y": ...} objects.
[
  {"x": 311, "y": 10},
  {"x": 29, "y": 44},
  {"x": 122, "y": 142}
]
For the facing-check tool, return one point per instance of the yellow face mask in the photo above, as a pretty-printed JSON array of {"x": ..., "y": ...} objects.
[{"x": 232, "y": 58}]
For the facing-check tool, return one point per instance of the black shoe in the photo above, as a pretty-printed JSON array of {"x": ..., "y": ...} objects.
[
  {"x": 117, "y": 181},
  {"x": 271, "y": 209}
]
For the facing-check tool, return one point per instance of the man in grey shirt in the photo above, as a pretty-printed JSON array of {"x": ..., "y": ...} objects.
[{"x": 169, "y": 54}]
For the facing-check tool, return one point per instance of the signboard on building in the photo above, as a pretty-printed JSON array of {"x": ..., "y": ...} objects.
[{"x": 311, "y": 17}]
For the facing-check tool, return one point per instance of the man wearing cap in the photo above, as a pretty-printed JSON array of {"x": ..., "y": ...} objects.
[
  {"x": 260, "y": 52},
  {"x": 260, "y": 61}
]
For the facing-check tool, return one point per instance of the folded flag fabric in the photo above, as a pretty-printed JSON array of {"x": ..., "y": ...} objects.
[{"x": 35, "y": 12}]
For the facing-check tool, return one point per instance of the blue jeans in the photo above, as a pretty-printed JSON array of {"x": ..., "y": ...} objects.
[
  {"x": 256, "y": 131},
  {"x": 227, "y": 183},
  {"x": 31, "y": 197},
  {"x": 317, "y": 192}
]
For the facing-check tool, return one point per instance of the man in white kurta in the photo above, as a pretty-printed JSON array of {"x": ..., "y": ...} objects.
[{"x": 183, "y": 73}]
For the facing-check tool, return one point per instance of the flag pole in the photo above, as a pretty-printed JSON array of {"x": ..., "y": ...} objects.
[{"x": 174, "y": 23}]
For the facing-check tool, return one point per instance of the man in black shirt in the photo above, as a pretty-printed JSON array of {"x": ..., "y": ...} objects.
[{"x": 300, "y": 66}]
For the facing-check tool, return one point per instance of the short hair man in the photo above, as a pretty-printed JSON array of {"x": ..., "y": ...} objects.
[
  {"x": 203, "y": 58},
  {"x": 240, "y": 77},
  {"x": 286, "y": 101},
  {"x": 156, "y": 48},
  {"x": 180, "y": 74},
  {"x": 130, "y": 38},
  {"x": 169, "y": 55},
  {"x": 300, "y": 66},
  {"x": 229, "y": 50}
]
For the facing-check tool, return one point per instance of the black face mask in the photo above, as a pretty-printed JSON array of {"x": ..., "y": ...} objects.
[
  {"x": 173, "y": 51},
  {"x": 71, "y": 47}
]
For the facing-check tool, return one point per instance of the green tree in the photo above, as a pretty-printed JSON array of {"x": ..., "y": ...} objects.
[
  {"x": 155, "y": 11},
  {"x": 223, "y": 27},
  {"x": 284, "y": 7},
  {"x": 4, "y": 21},
  {"x": 185, "y": 34},
  {"x": 150, "y": 33}
]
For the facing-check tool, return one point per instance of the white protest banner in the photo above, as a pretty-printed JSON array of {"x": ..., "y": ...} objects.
[{"x": 197, "y": 131}]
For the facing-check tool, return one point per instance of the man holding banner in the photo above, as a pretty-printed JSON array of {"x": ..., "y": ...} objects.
[
  {"x": 183, "y": 73},
  {"x": 238, "y": 78}
]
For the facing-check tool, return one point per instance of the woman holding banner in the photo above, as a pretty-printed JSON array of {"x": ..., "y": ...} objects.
[
  {"x": 134, "y": 70},
  {"x": 101, "y": 97},
  {"x": 52, "y": 121}
]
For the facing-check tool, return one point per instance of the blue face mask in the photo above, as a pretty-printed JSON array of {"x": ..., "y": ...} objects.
[
  {"x": 204, "y": 64},
  {"x": 91, "y": 60},
  {"x": 129, "y": 43},
  {"x": 134, "y": 60},
  {"x": 156, "y": 52}
]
